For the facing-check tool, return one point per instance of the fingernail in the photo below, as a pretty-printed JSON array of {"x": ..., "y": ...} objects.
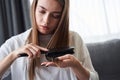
[{"x": 42, "y": 64}]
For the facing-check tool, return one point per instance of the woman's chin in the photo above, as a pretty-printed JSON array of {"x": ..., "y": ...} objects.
[{"x": 44, "y": 32}]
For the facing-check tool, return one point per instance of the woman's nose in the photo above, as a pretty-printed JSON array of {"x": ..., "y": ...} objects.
[{"x": 46, "y": 19}]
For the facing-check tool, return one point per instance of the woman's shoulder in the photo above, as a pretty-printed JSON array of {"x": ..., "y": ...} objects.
[
  {"x": 23, "y": 35},
  {"x": 14, "y": 42},
  {"x": 19, "y": 38},
  {"x": 74, "y": 35}
]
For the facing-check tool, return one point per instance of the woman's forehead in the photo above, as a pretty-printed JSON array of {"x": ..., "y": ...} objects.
[{"x": 50, "y": 5}]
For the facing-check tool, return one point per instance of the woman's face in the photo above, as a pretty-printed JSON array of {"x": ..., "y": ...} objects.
[{"x": 47, "y": 14}]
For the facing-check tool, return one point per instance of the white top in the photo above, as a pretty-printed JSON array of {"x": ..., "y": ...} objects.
[{"x": 19, "y": 69}]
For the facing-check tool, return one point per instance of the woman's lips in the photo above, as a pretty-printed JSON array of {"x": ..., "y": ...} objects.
[{"x": 44, "y": 28}]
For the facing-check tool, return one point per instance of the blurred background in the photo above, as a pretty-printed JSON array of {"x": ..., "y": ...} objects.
[{"x": 94, "y": 20}]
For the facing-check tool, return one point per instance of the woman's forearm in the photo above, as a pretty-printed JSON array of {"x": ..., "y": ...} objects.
[
  {"x": 81, "y": 72},
  {"x": 6, "y": 62}
]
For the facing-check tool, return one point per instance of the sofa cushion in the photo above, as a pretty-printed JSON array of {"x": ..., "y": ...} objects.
[{"x": 105, "y": 57}]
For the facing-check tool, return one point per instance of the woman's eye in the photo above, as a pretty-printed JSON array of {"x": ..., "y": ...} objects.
[
  {"x": 56, "y": 16},
  {"x": 42, "y": 11}
]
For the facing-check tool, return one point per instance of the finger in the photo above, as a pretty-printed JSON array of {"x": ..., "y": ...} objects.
[
  {"x": 35, "y": 51},
  {"x": 27, "y": 51},
  {"x": 41, "y": 48},
  {"x": 64, "y": 63},
  {"x": 43, "y": 63},
  {"x": 67, "y": 56},
  {"x": 35, "y": 48},
  {"x": 48, "y": 64}
]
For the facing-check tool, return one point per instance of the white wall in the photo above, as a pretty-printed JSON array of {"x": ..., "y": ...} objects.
[{"x": 95, "y": 20}]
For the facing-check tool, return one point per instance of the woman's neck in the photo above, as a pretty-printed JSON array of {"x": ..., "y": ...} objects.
[{"x": 44, "y": 39}]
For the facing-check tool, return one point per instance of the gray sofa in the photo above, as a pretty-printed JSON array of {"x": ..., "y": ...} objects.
[{"x": 105, "y": 57}]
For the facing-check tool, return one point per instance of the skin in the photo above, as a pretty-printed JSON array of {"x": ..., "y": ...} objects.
[{"x": 47, "y": 18}]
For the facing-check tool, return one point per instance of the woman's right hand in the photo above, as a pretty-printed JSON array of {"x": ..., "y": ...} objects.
[{"x": 31, "y": 50}]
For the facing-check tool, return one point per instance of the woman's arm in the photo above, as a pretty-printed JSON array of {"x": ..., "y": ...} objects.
[
  {"x": 80, "y": 72},
  {"x": 84, "y": 64},
  {"x": 31, "y": 50},
  {"x": 6, "y": 62}
]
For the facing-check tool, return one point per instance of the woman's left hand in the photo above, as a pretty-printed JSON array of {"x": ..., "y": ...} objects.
[
  {"x": 70, "y": 61},
  {"x": 63, "y": 61}
]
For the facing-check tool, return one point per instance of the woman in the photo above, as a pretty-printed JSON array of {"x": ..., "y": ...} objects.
[{"x": 50, "y": 29}]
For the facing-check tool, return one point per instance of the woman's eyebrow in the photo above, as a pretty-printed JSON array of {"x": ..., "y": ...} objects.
[
  {"x": 42, "y": 7},
  {"x": 53, "y": 11}
]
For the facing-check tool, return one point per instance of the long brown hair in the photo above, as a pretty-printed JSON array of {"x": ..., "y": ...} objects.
[{"x": 60, "y": 38}]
